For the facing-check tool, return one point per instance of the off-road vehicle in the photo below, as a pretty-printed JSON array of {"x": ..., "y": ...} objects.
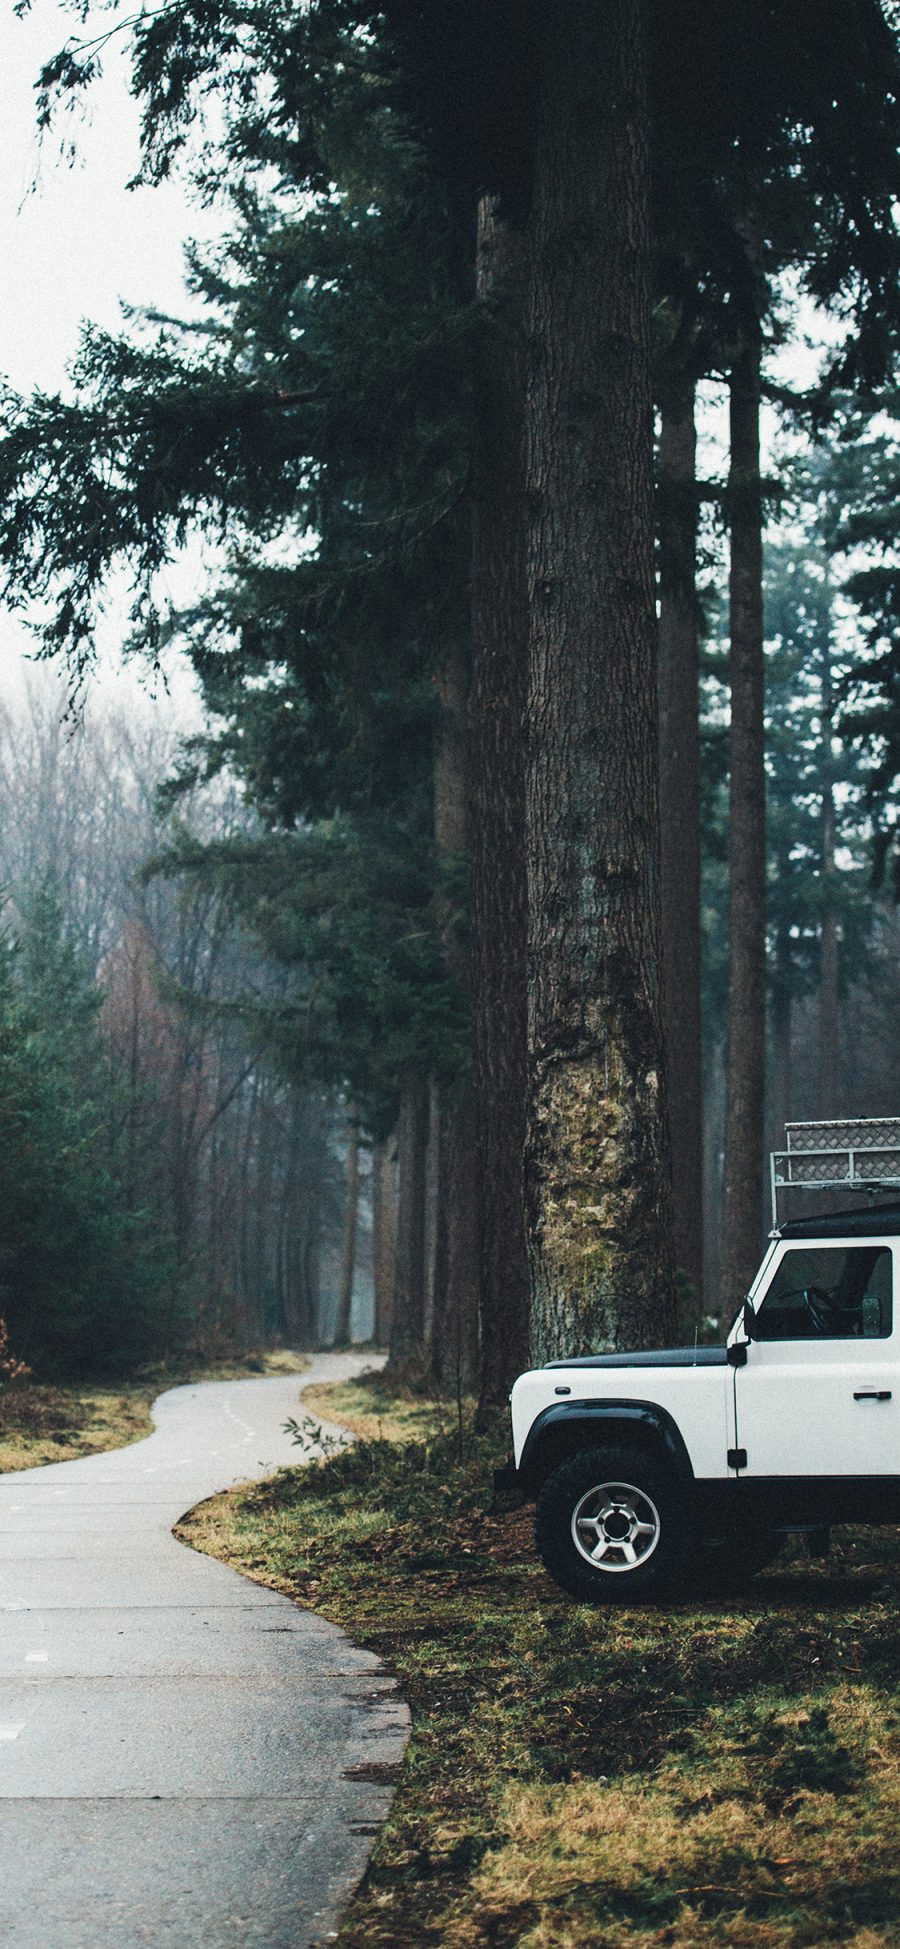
[{"x": 649, "y": 1466}]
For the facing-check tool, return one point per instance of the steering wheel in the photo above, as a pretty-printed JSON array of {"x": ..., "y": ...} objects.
[
  {"x": 828, "y": 1315},
  {"x": 821, "y": 1307}
]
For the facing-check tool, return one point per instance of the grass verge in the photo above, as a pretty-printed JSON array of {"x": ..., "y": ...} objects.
[
  {"x": 40, "y": 1424},
  {"x": 714, "y": 1773}
]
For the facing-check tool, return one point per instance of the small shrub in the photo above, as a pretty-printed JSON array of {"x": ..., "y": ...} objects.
[{"x": 11, "y": 1369}]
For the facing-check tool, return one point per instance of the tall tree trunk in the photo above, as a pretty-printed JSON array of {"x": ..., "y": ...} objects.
[
  {"x": 829, "y": 1011},
  {"x": 408, "y": 1323},
  {"x": 782, "y": 1037},
  {"x": 742, "y": 1193},
  {"x": 454, "y": 1339},
  {"x": 384, "y": 1236},
  {"x": 679, "y": 807},
  {"x": 348, "y": 1240},
  {"x": 597, "y": 1167},
  {"x": 454, "y": 1310},
  {"x": 499, "y": 884},
  {"x": 435, "y": 1216},
  {"x": 713, "y": 1145}
]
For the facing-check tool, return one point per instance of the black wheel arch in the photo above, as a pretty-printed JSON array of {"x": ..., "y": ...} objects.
[{"x": 566, "y": 1427}]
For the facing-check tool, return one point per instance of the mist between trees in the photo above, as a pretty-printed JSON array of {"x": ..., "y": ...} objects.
[
  {"x": 164, "y": 1186},
  {"x": 557, "y": 867}
]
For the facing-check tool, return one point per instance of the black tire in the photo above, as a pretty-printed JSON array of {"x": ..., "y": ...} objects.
[{"x": 639, "y": 1514}]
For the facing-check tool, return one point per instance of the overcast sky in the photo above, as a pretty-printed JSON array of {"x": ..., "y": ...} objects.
[{"x": 74, "y": 241}]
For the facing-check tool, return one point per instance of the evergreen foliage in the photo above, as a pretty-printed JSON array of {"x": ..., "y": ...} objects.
[
  {"x": 863, "y": 521},
  {"x": 318, "y": 426},
  {"x": 76, "y": 1271},
  {"x": 349, "y": 910}
]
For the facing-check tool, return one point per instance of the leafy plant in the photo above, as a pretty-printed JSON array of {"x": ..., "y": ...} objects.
[{"x": 11, "y": 1369}]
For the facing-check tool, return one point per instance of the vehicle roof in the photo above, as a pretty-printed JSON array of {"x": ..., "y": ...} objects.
[{"x": 861, "y": 1221}]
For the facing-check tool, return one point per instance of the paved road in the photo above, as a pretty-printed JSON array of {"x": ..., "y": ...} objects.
[{"x": 182, "y": 1753}]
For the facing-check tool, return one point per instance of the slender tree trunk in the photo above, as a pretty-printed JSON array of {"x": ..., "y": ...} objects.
[
  {"x": 782, "y": 1037},
  {"x": 742, "y": 1193},
  {"x": 348, "y": 1241},
  {"x": 597, "y": 1168},
  {"x": 679, "y": 805},
  {"x": 435, "y": 1217},
  {"x": 499, "y": 883},
  {"x": 829, "y": 1006},
  {"x": 454, "y": 1342},
  {"x": 454, "y": 1311},
  {"x": 408, "y": 1323},
  {"x": 713, "y": 1145},
  {"x": 384, "y": 1236},
  {"x": 310, "y": 1269}
]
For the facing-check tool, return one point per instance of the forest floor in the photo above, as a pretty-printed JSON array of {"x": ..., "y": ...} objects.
[
  {"x": 718, "y": 1772},
  {"x": 40, "y": 1423}
]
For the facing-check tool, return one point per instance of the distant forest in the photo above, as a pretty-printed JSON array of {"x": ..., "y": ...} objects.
[
  {"x": 538, "y": 857},
  {"x": 165, "y": 1185}
]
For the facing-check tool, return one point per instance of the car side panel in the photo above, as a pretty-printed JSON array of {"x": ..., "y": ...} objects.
[{"x": 698, "y": 1399}]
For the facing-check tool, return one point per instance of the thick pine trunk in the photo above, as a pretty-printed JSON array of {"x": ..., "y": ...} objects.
[
  {"x": 679, "y": 805},
  {"x": 597, "y": 1169},
  {"x": 742, "y": 1192},
  {"x": 348, "y": 1240},
  {"x": 499, "y": 887},
  {"x": 384, "y": 1237},
  {"x": 407, "y": 1344}
]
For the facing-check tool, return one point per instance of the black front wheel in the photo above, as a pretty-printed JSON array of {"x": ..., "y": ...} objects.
[{"x": 612, "y": 1526}]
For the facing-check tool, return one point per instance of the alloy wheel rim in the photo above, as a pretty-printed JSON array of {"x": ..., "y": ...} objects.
[{"x": 615, "y": 1527}]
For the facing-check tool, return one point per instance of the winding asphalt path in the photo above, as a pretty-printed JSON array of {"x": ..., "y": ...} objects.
[{"x": 187, "y": 1761}]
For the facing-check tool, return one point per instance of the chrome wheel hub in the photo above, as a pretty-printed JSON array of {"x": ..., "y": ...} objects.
[{"x": 615, "y": 1527}]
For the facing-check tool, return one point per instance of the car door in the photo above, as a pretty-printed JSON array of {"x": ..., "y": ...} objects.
[{"x": 818, "y": 1394}]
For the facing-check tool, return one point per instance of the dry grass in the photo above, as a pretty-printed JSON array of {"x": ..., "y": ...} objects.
[
  {"x": 373, "y": 1412},
  {"x": 41, "y": 1424},
  {"x": 716, "y": 1773},
  {"x": 55, "y": 1424}
]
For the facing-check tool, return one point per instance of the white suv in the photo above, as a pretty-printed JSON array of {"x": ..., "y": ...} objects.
[{"x": 646, "y": 1465}]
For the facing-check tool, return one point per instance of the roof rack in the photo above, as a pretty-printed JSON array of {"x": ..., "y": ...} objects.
[{"x": 862, "y": 1154}]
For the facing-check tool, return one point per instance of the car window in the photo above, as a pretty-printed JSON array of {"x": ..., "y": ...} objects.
[{"x": 829, "y": 1292}]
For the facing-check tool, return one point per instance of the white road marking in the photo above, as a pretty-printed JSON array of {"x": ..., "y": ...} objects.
[
  {"x": 12, "y": 1732},
  {"x": 36, "y": 1657}
]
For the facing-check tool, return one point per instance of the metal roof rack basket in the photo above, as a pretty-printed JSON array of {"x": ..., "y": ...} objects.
[{"x": 860, "y": 1155}]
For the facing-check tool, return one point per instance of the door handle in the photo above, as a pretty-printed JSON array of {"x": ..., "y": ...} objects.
[{"x": 872, "y": 1394}]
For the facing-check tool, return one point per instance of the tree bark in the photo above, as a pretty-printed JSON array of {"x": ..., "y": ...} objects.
[
  {"x": 597, "y": 1167},
  {"x": 679, "y": 803},
  {"x": 454, "y": 1336},
  {"x": 348, "y": 1240},
  {"x": 407, "y": 1344},
  {"x": 829, "y": 972},
  {"x": 782, "y": 1037},
  {"x": 499, "y": 885},
  {"x": 742, "y": 1192},
  {"x": 384, "y": 1237},
  {"x": 454, "y": 1310}
]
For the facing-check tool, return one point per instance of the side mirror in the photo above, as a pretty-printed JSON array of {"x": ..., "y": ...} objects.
[{"x": 737, "y": 1352}]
